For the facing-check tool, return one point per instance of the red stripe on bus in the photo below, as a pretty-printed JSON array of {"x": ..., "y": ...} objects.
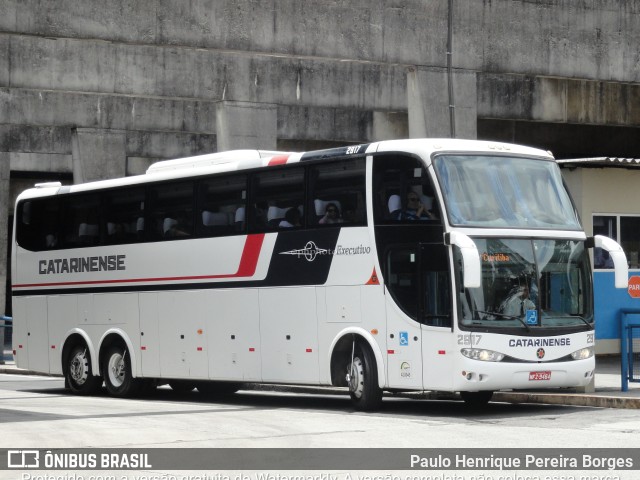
[
  {"x": 278, "y": 160},
  {"x": 247, "y": 268}
]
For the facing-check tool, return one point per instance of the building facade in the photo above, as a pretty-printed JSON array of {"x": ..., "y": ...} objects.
[{"x": 606, "y": 195}]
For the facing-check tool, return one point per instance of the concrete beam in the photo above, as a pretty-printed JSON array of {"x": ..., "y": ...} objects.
[
  {"x": 40, "y": 162},
  {"x": 92, "y": 66},
  {"x": 33, "y": 108},
  {"x": 390, "y": 125},
  {"x": 429, "y": 107},
  {"x": 246, "y": 125},
  {"x": 333, "y": 124},
  {"x": 98, "y": 154},
  {"x": 557, "y": 100}
]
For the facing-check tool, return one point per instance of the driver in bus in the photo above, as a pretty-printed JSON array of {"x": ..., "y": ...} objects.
[{"x": 518, "y": 302}]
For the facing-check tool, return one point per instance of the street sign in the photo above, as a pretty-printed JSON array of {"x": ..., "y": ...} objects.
[{"x": 634, "y": 286}]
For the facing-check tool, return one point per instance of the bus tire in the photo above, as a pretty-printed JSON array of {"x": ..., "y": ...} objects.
[
  {"x": 362, "y": 380},
  {"x": 477, "y": 399},
  {"x": 116, "y": 370},
  {"x": 77, "y": 372}
]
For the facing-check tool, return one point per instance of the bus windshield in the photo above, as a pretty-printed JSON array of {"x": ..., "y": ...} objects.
[
  {"x": 528, "y": 284},
  {"x": 500, "y": 191}
]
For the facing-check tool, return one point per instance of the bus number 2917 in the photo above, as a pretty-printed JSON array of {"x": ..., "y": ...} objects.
[{"x": 469, "y": 339}]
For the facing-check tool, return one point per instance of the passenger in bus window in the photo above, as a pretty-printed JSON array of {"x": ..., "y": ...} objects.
[
  {"x": 176, "y": 227},
  {"x": 291, "y": 219},
  {"x": 331, "y": 215},
  {"x": 415, "y": 209}
]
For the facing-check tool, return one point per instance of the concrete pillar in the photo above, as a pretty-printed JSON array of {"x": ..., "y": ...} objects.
[
  {"x": 4, "y": 237},
  {"x": 428, "y": 103},
  {"x": 98, "y": 154},
  {"x": 246, "y": 125}
]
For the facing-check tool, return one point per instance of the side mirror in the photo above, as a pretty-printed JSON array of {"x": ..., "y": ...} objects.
[
  {"x": 618, "y": 257},
  {"x": 470, "y": 257}
]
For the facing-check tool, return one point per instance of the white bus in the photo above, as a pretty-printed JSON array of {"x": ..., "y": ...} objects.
[{"x": 405, "y": 265}]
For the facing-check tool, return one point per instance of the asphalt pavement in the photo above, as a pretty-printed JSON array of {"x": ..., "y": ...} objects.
[{"x": 605, "y": 391}]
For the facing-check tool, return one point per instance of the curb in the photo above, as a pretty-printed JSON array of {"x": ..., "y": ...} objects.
[
  {"x": 575, "y": 399},
  {"x": 569, "y": 399}
]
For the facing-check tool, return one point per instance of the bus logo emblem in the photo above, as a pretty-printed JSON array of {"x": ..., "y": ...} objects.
[
  {"x": 309, "y": 252},
  {"x": 540, "y": 353}
]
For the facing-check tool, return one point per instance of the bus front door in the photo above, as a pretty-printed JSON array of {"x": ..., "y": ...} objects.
[
  {"x": 404, "y": 345},
  {"x": 435, "y": 315}
]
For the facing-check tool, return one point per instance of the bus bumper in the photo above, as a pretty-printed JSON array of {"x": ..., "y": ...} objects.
[{"x": 476, "y": 375}]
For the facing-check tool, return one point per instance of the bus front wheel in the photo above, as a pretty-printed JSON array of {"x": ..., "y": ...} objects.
[
  {"x": 116, "y": 369},
  {"x": 77, "y": 372},
  {"x": 362, "y": 380}
]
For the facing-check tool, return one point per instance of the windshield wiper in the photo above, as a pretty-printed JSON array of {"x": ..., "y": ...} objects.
[
  {"x": 585, "y": 321},
  {"x": 508, "y": 317}
]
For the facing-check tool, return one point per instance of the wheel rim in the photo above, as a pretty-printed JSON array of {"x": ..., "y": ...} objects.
[
  {"x": 355, "y": 378},
  {"x": 116, "y": 370},
  {"x": 79, "y": 368}
]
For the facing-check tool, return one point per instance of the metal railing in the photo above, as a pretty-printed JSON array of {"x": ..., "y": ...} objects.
[
  {"x": 6, "y": 333},
  {"x": 630, "y": 346}
]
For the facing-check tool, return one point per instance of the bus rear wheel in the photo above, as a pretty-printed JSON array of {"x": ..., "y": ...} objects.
[
  {"x": 116, "y": 370},
  {"x": 476, "y": 399},
  {"x": 78, "y": 374},
  {"x": 362, "y": 380}
]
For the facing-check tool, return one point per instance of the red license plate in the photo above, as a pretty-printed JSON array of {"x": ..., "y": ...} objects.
[{"x": 540, "y": 375}]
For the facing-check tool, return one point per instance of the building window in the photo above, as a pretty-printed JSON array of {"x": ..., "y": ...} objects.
[{"x": 625, "y": 229}]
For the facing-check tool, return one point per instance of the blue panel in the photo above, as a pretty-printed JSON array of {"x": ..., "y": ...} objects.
[{"x": 608, "y": 302}]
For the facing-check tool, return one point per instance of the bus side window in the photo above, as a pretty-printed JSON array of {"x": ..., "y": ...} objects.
[
  {"x": 80, "y": 220},
  {"x": 398, "y": 180},
  {"x": 124, "y": 215},
  {"x": 338, "y": 193},
  {"x": 38, "y": 224},
  {"x": 221, "y": 206},
  {"x": 171, "y": 211},
  {"x": 278, "y": 199}
]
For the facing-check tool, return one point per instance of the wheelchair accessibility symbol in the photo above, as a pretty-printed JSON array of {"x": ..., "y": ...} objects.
[{"x": 404, "y": 339}]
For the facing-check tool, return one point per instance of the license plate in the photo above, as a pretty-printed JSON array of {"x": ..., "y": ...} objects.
[{"x": 540, "y": 375}]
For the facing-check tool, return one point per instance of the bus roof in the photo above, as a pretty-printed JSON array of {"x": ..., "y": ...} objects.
[{"x": 235, "y": 160}]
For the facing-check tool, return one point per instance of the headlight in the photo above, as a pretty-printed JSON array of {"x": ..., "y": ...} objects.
[
  {"x": 582, "y": 354},
  {"x": 482, "y": 354}
]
